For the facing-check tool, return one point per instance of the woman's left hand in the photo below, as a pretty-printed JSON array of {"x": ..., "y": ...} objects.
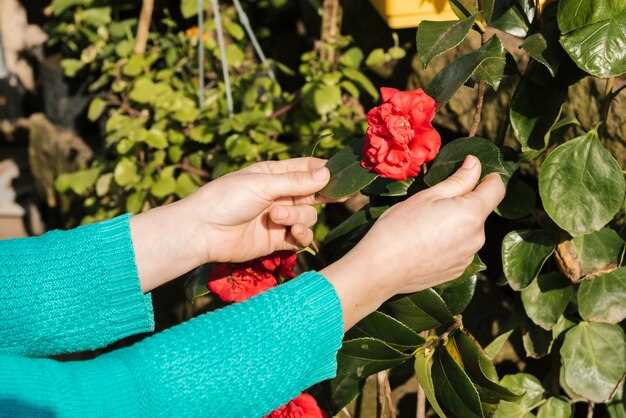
[{"x": 250, "y": 213}]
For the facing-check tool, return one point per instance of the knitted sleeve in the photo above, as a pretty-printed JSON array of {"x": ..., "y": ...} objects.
[
  {"x": 241, "y": 361},
  {"x": 71, "y": 290}
]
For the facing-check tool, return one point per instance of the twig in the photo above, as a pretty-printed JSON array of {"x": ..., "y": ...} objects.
[
  {"x": 143, "y": 29},
  {"x": 384, "y": 395},
  {"x": 590, "y": 409},
  {"x": 185, "y": 166},
  {"x": 421, "y": 402},
  {"x": 479, "y": 108},
  {"x": 331, "y": 27}
]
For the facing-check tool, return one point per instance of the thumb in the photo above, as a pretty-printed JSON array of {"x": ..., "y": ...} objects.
[
  {"x": 463, "y": 181},
  {"x": 295, "y": 183}
]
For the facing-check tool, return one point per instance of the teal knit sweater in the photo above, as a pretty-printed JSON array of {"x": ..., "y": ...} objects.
[{"x": 78, "y": 290}]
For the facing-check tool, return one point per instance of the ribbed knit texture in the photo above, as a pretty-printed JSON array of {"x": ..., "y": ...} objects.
[
  {"x": 241, "y": 361},
  {"x": 68, "y": 291}
]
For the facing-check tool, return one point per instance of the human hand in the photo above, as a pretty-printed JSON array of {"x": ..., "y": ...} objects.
[
  {"x": 421, "y": 242},
  {"x": 247, "y": 214}
]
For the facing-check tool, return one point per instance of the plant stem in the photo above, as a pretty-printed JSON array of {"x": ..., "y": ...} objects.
[
  {"x": 479, "y": 108},
  {"x": 331, "y": 28},
  {"x": 143, "y": 29},
  {"x": 421, "y": 402},
  {"x": 590, "y": 410}
]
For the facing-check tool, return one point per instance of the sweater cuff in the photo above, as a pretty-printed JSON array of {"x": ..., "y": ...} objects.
[
  {"x": 322, "y": 302},
  {"x": 128, "y": 310}
]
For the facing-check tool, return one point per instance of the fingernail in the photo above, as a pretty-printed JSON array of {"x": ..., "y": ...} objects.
[
  {"x": 321, "y": 174},
  {"x": 280, "y": 212},
  {"x": 470, "y": 162}
]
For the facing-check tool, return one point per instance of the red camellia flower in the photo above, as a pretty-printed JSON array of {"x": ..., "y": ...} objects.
[
  {"x": 282, "y": 262},
  {"x": 238, "y": 282},
  {"x": 304, "y": 406},
  {"x": 400, "y": 136}
]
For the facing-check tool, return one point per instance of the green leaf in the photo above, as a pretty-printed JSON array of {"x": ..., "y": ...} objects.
[
  {"x": 479, "y": 367},
  {"x": 458, "y": 293},
  {"x": 453, "y": 154},
  {"x": 512, "y": 17},
  {"x": 491, "y": 69},
  {"x": 326, "y": 98},
  {"x": 125, "y": 172},
  {"x": 581, "y": 185},
  {"x": 537, "y": 47},
  {"x": 388, "y": 188},
  {"x": 360, "y": 78},
  {"x": 185, "y": 185},
  {"x": 165, "y": 184},
  {"x": 421, "y": 311},
  {"x": 593, "y": 356},
  {"x": 523, "y": 254},
  {"x": 537, "y": 341},
  {"x": 494, "y": 347},
  {"x": 156, "y": 138},
  {"x": 594, "y": 34},
  {"x": 562, "y": 325},
  {"x": 71, "y": 66},
  {"x": 96, "y": 108},
  {"x": 592, "y": 253},
  {"x": 189, "y": 8},
  {"x": 361, "y": 219},
  {"x": 448, "y": 81},
  {"x": 546, "y": 298},
  {"x": 617, "y": 407},
  {"x": 344, "y": 389},
  {"x": 453, "y": 388},
  {"x": 435, "y": 38},
  {"x": 143, "y": 91},
  {"x": 602, "y": 298},
  {"x": 555, "y": 408},
  {"x": 387, "y": 329},
  {"x": 535, "y": 111},
  {"x": 520, "y": 200},
  {"x": 423, "y": 372},
  {"x": 135, "y": 201},
  {"x": 235, "y": 55},
  {"x": 59, "y": 6},
  {"x": 533, "y": 392},
  {"x": 362, "y": 357},
  {"x": 352, "y": 57},
  {"x": 135, "y": 65},
  {"x": 79, "y": 181},
  {"x": 347, "y": 175}
]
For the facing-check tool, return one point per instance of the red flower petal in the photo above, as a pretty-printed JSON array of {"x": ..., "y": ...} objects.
[
  {"x": 304, "y": 406},
  {"x": 386, "y": 93}
]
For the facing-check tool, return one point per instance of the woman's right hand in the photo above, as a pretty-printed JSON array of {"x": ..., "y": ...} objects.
[{"x": 421, "y": 242}]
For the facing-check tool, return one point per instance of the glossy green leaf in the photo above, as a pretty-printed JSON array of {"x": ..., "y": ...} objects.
[
  {"x": 458, "y": 293},
  {"x": 347, "y": 175},
  {"x": 593, "y": 356},
  {"x": 602, "y": 298},
  {"x": 617, "y": 407},
  {"x": 546, "y": 298},
  {"x": 423, "y": 372},
  {"x": 387, "y": 329},
  {"x": 555, "y": 408},
  {"x": 361, "y": 219},
  {"x": 491, "y": 69},
  {"x": 520, "y": 200},
  {"x": 451, "y": 78},
  {"x": 594, "y": 35},
  {"x": 421, "y": 311},
  {"x": 562, "y": 325},
  {"x": 365, "y": 356},
  {"x": 537, "y": 341},
  {"x": 344, "y": 389},
  {"x": 388, "y": 188},
  {"x": 494, "y": 347},
  {"x": 454, "y": 390},
  {"x": 537, "y": 47},
  {"x": 581, "y": 185},
  {"x": 532, "y": 391},
  {"x": 523, "y": 255},
  {"x": 453, "y": 154},
  {"x": 592, "y": 253},
  {"x": 512, "y": 16},
  {"x": 479, "y": 367},
  {"x": 535, "y": 112},
  {"x": 435, "y": 38}
]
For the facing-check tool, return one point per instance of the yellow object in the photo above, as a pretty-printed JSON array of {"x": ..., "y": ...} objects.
[{"x": 409, "y": 13}]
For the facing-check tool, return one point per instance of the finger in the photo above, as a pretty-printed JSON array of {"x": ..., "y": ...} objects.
[
  {"x": 286, "y": 166},
  {"x": 291, "y": 215},
  {"x": 317, "y": 199},
  {"x": 294, "y": 183},
  {"x": 461, "y": 182},
  {"x": 302, "y": 235},
  {"x": 489, "y": 193}
]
